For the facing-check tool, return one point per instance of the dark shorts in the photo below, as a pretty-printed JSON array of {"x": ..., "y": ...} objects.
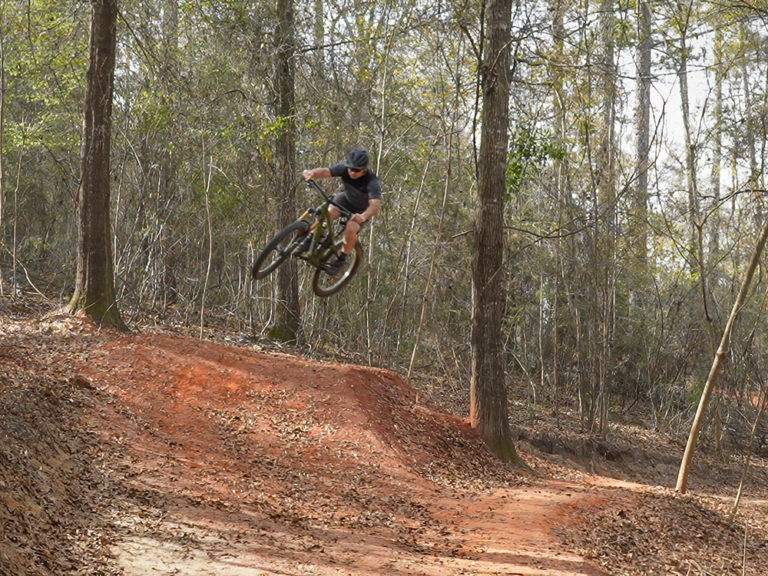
[{"x": 343, "y": 200}]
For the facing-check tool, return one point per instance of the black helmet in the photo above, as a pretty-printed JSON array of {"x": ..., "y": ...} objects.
[{"x": 357, "y": 159}]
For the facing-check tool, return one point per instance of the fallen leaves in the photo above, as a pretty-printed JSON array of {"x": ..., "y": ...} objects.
[
  {"x": 650, "y": 533},
  {"x": 178, "y": 452}
]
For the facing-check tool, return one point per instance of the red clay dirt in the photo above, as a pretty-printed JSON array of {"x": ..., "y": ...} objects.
[
  {"x": 163, "y": 454},
  {"x": 252, "y": 462}
]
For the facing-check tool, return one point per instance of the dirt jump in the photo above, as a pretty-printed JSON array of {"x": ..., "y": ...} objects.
[{"x": 160, "y": 453}]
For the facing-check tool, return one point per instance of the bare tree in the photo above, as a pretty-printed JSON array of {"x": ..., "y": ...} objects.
[
  {"x": 720, "y": 358},
  {"x": 683, "y": 18},
  {"x": 749, "y": 104},
  {"x": 717, "y": 142},
  {"x": 640, "y": 208},
  {"x": 94, "y": 282},
  {"x": 2, "y": 133},
  {"x": 288, "y": 314},
  {"x": 488, "y": 393}
]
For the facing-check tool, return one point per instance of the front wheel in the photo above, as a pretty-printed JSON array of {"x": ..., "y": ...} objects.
[
  {"x": 279, "y": 248},
  {"x": 324, "y": 284}
]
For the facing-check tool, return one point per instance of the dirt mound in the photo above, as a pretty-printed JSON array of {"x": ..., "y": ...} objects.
[
  {"x": 158, "y": 453},
  {"x": 308, "y": 413},
  {"x": 133, "y": 444}
]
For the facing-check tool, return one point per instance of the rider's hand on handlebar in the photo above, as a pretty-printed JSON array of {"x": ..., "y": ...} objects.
[{"x": 307, "y": 175}]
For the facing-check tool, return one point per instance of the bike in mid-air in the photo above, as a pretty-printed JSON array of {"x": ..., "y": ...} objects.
[{"x": 317, "y": 240}]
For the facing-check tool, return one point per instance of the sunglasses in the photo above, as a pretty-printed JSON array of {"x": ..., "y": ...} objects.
[{"x": 356, "y": 170}]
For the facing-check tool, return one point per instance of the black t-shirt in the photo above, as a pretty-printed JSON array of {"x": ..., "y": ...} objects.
[{"x": 358, "y": 190}]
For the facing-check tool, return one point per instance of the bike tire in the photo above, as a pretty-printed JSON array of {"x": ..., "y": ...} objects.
[
  {"x": 279, "y": 249},
  {"x": 323, "y": 284}
]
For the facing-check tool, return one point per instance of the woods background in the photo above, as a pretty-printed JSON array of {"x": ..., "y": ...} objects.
[{"x": 636, "y": 183}]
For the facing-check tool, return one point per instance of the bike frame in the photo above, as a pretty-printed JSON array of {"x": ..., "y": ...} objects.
[{"x": 317, "y": 254}]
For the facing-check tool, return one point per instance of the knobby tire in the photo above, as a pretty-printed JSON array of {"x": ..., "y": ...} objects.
[
  {"x": 323, "y": 284},
  {"x": 278, "y": 249}
]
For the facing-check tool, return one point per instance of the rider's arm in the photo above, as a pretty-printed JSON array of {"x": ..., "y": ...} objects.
[
  {"x": 316, "y": 174},
  {"x": 370, "y": 212}
]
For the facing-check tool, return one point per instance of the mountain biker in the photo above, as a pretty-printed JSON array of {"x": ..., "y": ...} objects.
[{"x": 361, "y": 196}]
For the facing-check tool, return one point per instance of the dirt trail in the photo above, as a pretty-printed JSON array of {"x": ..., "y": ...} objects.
[
  {"x": 162, "y": 454},
  {"x": 500, "y": 534},
  {"x": 238, "y": 462}
]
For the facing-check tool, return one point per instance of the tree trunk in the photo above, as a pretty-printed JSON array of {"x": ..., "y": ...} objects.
[
  {"x": 720, "y": 358},
  {"x": 717, "y": 145},
  {"x": 749, "y": 108},
  {"x": 697, "y": 265},
  {"x": 167, "y": 184},
  {"x": 605, "y": 228},
  {"x": 488, "y": 393},
  {"x": 2, "y": 138},
  {"x": 640, "y": 200},
  {"x": 560, "y": 166},
  {"x": 318, "y": 31},
  {"x": 690, "y": 156},
  {"x": 288, "y": 320},
  {"x": 94, "y": 282}
]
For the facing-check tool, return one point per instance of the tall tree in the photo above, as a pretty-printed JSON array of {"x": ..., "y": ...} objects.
[
  {"x": 288, "y": 314},
  {"x": 602, "y": 231},
  {"x": 683, "y": 17},
  {"x": 605, "y": 239},
  {"x": 640, "y": 199},
  {"x": 560, "y": 170},
  {"x": 749, "y": 127},
  {"x": 488, "y": 393},
  {"x": 717, "y": 140},
  {"x": 2, "y": 133},
  {"x": 94, "y": 281}
]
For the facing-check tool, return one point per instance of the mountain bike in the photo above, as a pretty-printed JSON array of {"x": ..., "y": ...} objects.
[{"x": 316, "y": 239}]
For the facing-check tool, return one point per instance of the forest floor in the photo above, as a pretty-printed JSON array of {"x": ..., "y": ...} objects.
[{"x": 159, "y": 453}]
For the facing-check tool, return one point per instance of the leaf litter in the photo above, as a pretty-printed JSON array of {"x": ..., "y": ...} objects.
[{"x": 158, "y": 453}]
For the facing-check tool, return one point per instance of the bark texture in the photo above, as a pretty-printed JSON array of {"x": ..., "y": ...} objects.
[
  {"x": 488, "y": 393},
  {"x": 288, "y": 318},
  {"x": 94, "y": 282}
]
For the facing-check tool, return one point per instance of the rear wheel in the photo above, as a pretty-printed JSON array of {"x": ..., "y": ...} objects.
[
  {"x": 279, "y": 248},
  {"x": 325, "y": 284}
]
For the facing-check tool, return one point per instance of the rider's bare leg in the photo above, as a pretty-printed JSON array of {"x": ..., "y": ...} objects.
[
  {"x": 350, "y": 231},
  {"x": 350, "y": 236}
]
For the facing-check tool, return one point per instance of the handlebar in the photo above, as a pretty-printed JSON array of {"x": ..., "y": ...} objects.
[{"x": 312, "y": 184}]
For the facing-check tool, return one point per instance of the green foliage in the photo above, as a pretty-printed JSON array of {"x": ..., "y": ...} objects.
[
  {"x": 528, "y": 154},
  {"x": 45, "y": 59}
]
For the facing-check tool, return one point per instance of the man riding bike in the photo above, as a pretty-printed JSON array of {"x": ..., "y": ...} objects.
[{"x": 361, "y": 196}]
